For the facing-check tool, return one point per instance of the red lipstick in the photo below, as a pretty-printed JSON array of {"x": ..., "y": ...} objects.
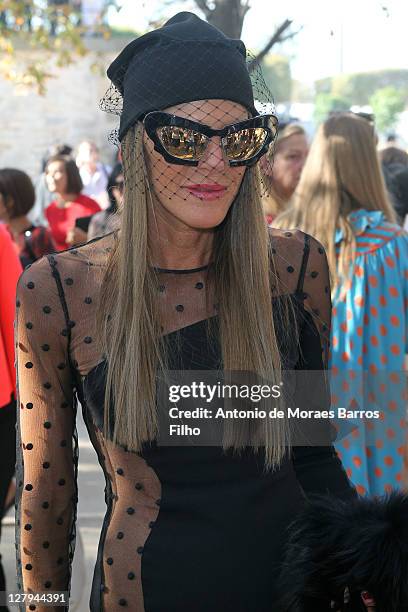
[{"x": 206, "y": 191}]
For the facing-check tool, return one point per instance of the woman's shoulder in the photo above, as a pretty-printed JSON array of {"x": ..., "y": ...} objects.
[
  {"x": 70, "y": 266},
  {"x": 88, "y": 202},
  {"x": 294, "y": 245},
  {"x": 296, "y": 256},
  {"x": 294, "y": 239},
  {"x": 51, "y": 206},
  {"x": 373, "y": 231}
]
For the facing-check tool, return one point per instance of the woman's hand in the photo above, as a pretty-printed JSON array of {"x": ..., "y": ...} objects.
[{"x": 76, "y": 236}]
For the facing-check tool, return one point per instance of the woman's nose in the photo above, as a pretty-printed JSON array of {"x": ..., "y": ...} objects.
[{"x": 213, "y": 157}]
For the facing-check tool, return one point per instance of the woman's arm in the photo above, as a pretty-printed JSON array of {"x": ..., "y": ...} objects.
[
  {"x": 318, "y": 468},
  {"x": 10, "y": 270},
  {"x": 46, "y": 438}
]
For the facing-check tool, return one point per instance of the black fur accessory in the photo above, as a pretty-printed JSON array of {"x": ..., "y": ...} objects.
[{"x": 338, "y": 550}]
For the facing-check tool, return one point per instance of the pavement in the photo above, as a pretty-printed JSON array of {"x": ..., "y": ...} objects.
[{"x": 91, "y": 510}]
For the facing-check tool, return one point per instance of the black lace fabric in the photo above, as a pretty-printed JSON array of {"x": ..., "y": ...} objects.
[{"x": 57, "y": 349}]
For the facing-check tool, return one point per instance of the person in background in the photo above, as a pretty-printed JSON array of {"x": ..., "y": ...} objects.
[
  {"x": 395, "y": 168},
  {"x": 64, "y": 180},
  {"x": 282, "y": 176},
  {"x": 392, "y": 140},
  {"x": 106, "y": 221},
  {"x": 341, "y": 200},
  {"x": 43, "y": 196},
  {"x": 94, "y": 173},
  {"x": 10, "y": 270},
  {"x": 16, "y": 200}
]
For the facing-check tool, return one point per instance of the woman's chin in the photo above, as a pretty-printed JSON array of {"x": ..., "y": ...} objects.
[{"x": 206, "y": 220}]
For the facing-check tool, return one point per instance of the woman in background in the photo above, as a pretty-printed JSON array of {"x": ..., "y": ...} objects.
[
  {"x": 17, "y": 198},
  {"x": 341, "y": 201},
  {"x": 283, "y": 168},
  {"x": 64, "y": 180}
]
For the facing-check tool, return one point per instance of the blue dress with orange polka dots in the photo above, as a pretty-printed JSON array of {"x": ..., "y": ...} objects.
[{"x": 368, "y": 344}]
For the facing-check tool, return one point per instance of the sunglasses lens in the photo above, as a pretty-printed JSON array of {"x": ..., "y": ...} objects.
[
  {"x": 182, "y": 143},
  {"x": 244, "y": 144}
]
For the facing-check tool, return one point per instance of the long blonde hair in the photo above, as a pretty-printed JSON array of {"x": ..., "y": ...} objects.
[
  {"x": 341, "y": 174},
  {"x": 129, "y": 316},
  {"x": 273, "y": 203}
]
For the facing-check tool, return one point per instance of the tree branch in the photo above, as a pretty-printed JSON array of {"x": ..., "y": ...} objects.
[
  {"x": 276, "y": 38},
  {"x": 290, "y": 35}
]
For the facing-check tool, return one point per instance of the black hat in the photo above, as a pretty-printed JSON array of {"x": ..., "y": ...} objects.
[{"x": 185, "y": 60}]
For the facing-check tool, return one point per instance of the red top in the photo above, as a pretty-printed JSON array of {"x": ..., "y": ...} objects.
[
  {"x": 10, "y": 270},
  {"x": 61, "y": 220}
]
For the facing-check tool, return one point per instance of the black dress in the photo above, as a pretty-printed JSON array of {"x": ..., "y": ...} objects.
[{"x": 187, "y": 528}]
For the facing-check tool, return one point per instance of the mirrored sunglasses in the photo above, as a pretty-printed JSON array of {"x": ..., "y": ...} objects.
[{"x": 182, "y": 141}]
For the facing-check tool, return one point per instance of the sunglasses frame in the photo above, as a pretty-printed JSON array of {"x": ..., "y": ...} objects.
[{"x": 156, "y": 119}]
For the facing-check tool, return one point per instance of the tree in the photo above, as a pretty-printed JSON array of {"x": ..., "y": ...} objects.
[
  {"x": 326, "y": 103},
  {"x": 358, "y": 87},
  {"x": 228, "y": 16},
  {"x": 51, "y": 26},
  {"x": 387, "y": 103}
]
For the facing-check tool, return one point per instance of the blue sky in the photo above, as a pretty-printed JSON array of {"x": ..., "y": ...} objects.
[{"x": 353, "y": 35}]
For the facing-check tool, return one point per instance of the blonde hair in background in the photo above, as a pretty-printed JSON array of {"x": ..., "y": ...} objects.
[
  {"x": 129, "y": 318},
  {"x": 273, "y": 204},
  {"x": 341, "y": 174}
]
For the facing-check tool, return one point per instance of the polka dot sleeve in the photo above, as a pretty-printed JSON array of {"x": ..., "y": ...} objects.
[
  {"x": 46, "y": 466},
  {"x": 317, "y": 294}
]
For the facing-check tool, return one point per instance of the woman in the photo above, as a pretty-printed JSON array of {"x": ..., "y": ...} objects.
[
  {"x": 105, "y": 221},
  {"x": 16, "y": 200},
  {"x": 282, "y": 176},
  {"x": 10, "y": 270},
  {"x": 63, "y": 179},
  {"x": 341, "y": 200},
  {"x": 191, "y": 285}
]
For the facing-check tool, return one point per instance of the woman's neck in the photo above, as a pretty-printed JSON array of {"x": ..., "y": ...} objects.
[
  {"x": 19, "y": 225},
  {"x": 65, "y": 199},
  {"x": 180, "y": 248}
]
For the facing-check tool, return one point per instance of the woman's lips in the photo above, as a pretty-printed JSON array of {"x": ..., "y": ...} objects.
[{"x": 205, "y": 191}]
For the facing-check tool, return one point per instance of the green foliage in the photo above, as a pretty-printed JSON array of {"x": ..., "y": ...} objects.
[
  {"x": 325, "y": 103},
  {"x": 387, "y": 103},
  {"x": 50, "y": 27},
  {"x": 277, "y": 75},
  {"x": 360, "y": 86}
]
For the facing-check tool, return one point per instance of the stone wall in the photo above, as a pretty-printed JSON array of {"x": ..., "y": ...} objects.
[{"x": 68, "y": 113}]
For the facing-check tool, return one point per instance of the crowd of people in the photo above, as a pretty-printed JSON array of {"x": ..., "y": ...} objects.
[
  {"x": 348, "y": 199},
  {"x": 72, "y": 201}
]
